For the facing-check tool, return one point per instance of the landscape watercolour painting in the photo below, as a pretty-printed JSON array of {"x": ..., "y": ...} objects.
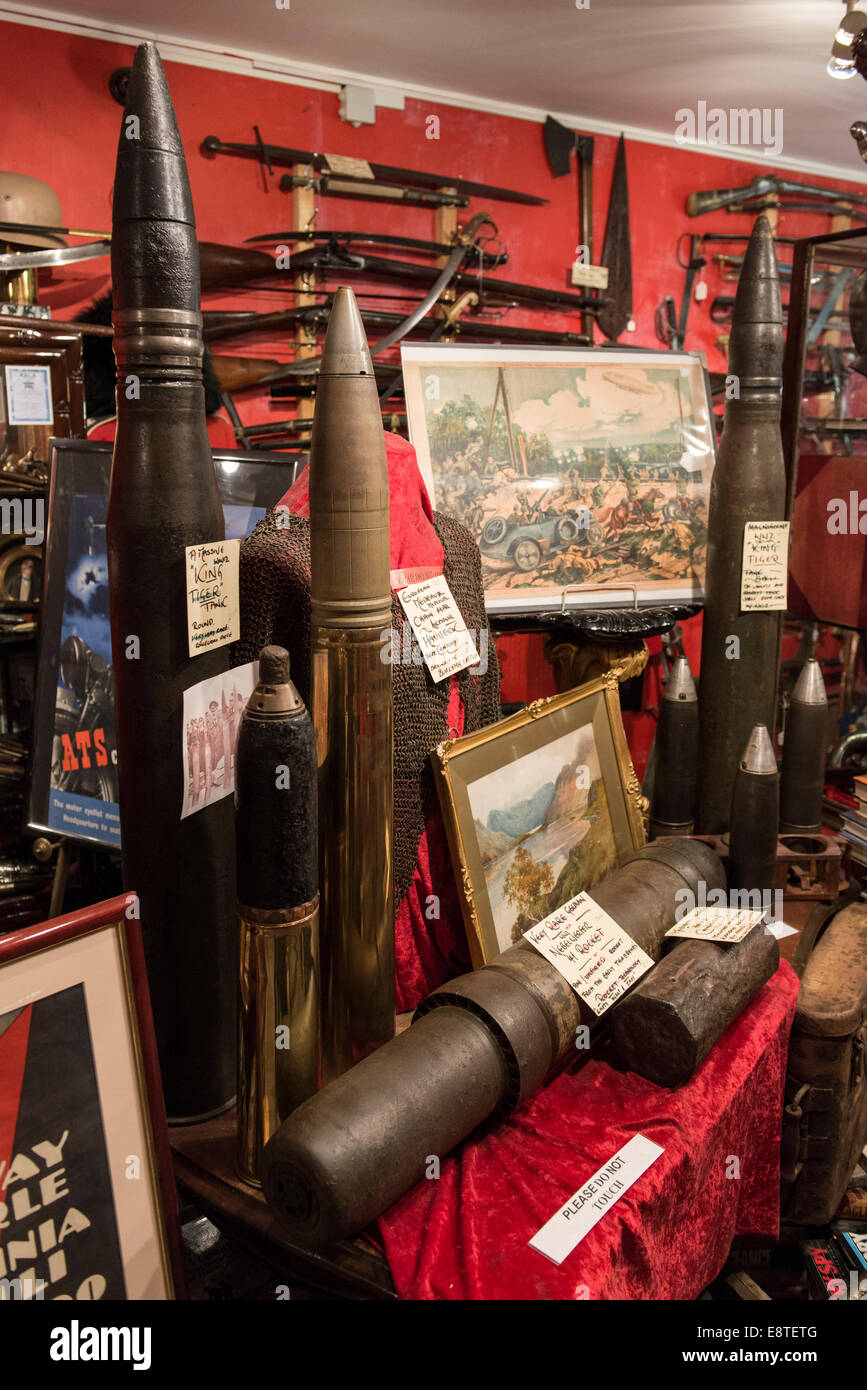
[
  {"x": 586, "y": 471},
  {"x": 544, "y": 831}
]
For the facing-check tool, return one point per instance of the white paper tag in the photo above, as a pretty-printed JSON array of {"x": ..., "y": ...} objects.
[
  {"x": 559, "y": 1236},
  {"x": 717, "y": 923},
  {"x": 764, "y": 571},
  {"x": 439, "y": 629},
  {"x": 212, "y": 715},
  {"x": 780, "y": 930},
  {"x": 28, "y": 395},
  {"x": 591, "y": 951},
  {"x": 592, "y": 277},
  {"x": 345, "y": 164}
]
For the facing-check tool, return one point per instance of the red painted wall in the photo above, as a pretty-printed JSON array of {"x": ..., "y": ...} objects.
[{"x": 61, "y": 125}]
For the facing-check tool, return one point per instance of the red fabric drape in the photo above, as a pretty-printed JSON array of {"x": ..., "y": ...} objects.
[{"x": 464, "y": 1235}]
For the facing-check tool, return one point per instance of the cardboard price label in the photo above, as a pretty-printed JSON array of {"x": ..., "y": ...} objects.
[{"x": 591, "y": 277}]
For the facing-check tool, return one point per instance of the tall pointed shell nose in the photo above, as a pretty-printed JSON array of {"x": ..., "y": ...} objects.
[
  {"x": 346, "y": 352},
  {"x": 756, "y": 343}
]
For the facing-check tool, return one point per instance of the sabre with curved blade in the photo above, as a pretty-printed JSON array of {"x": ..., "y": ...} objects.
[{"x": 463, "y": 245}]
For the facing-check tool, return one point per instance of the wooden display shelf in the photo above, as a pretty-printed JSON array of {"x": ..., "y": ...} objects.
[{"x": 204, "y": 1159}]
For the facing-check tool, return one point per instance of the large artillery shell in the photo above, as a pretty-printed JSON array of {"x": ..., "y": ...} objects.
[
  {"x": 802, "y": 776},
  {"x": 164, "y": 497},
  {"x": 668, "y": 1023},
  {"x": 672, "y": 809},
  {"x": 278, "y": 908},
  {"x": 480, "y": 1044},
  {"x": 351, "y": 695},
  {"x": 755, "y": 813},
  {"x": 740, "y": 651}
]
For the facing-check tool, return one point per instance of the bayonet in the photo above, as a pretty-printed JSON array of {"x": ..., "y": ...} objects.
[
  {"x": 762, "y": 186},
  {"x": 335, "y": 164}
]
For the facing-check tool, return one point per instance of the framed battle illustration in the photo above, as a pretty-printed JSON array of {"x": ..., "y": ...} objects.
[
  {"x": 73, "y": 776},
  {"x": 537, "y": 808},
  {"x": 87, "y": 1197},
  {"x": 584, "y": 474}
]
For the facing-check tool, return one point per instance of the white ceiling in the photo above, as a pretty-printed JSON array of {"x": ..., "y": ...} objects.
[{"x": 617, "y": 64}]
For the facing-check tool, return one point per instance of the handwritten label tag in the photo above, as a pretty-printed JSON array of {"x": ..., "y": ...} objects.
[
  {"x": 764, "y": 570},
  {"x": 345, "y": 164},
  {"x": 591, "y": 951},
  {"x": 717, "y": 923},
  {"x": 439, "y": 629},
  {"x": 592, "y": 277},
  {"x": 559, "y": 1236},
  {"x": 213, "y": 616}
]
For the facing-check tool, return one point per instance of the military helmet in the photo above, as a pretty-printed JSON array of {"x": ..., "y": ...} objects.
[{"x": 28, "y": 200}]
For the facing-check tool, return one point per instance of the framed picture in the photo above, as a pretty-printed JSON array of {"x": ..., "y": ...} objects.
[
  {"x": 41, "y": 395},
  {"x": 537, "y": 808},
  {"x": 73, "y": 770},
  {"x": 584, "y": 474},
  {"x": 86, "y": 1184}
]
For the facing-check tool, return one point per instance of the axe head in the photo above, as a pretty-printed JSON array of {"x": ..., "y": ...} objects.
[{"x": 559, "y": 144}]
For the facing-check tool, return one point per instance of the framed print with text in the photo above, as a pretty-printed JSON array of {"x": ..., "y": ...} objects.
[{"x": 88, "y": 1206}]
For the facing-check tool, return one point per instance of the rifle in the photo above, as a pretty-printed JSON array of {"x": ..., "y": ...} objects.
[{"x": 762, "y": 186}]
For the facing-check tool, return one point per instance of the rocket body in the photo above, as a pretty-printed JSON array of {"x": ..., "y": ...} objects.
[
  {"x": 164, "y": 497},
  {"x": 740, "y": 650}
]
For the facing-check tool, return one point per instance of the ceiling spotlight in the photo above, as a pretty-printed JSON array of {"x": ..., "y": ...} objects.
[{"x": 841, "y": 64}]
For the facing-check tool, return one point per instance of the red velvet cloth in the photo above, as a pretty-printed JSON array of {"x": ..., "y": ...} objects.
[
  {"x": 430, "y": 942},
  {"x": 464, "y": 1236}
]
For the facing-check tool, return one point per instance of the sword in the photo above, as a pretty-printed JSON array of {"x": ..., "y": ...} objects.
[
  {"x": 60, "y": 255},
  {"x": 279, "y": 154}
]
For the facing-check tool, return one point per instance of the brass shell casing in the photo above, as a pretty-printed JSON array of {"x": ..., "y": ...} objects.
[
  {"x": 352, "y": 712},
  {"x": 351, "y": 695},
  {"x": 279, "y": 989}
]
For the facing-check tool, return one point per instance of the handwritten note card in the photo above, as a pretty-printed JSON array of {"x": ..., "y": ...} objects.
[
  {"x": 212, "y": 595},
  {"x": 717, "y": 923},
  {"x": 439, "y": 629},
  {"x": 765, "y": 565},
  {"x": 593, "y": 953}
]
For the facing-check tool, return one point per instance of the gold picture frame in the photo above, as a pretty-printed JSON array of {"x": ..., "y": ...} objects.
[{"x": 576, "y": 802}]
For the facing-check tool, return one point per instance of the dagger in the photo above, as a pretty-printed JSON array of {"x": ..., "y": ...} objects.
[{"x": 279, "y": 154}]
